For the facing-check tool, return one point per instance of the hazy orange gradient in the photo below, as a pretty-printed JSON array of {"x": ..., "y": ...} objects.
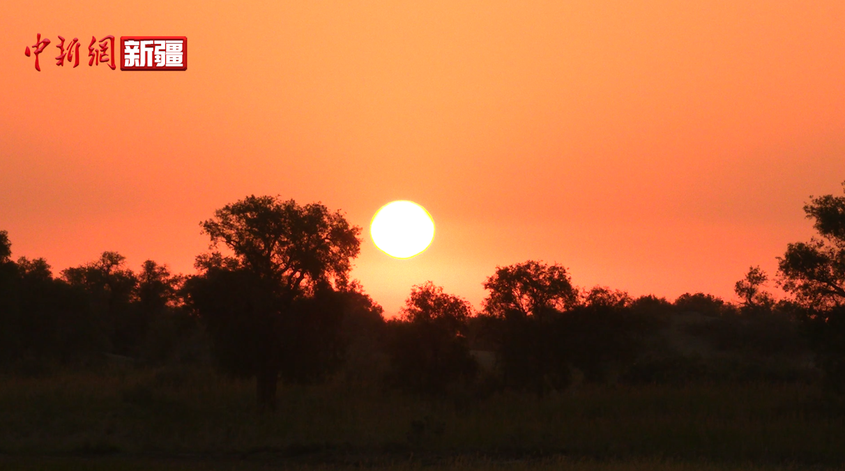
[{"x": 653, "y": 146}]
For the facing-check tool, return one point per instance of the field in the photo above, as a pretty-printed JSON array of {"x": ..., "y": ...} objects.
[{"x": 175, "y": 419}]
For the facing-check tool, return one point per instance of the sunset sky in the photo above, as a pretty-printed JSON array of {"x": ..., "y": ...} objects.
[{"x": 652, "y": 146}]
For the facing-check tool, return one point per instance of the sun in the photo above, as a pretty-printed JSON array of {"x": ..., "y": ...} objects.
[{"x": 402, "y": 229}]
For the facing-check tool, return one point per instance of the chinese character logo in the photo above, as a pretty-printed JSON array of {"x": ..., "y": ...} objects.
[
  {"x": 139, "y": 52},
  {"x": 104, "y": 54},
  {"x": 154, "y": 52},
  {"x": 72, "y": 53},
  {"x": 37, "y": 48}
]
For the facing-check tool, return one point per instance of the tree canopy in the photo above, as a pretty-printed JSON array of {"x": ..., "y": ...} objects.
[
  {"x": 528, "y": 288},
  {"x": 5, "y": 247},
  {"x": 428, "y": 345},
  {"x": 297, "y": 246},
  {"x": 750, "y": 290},
  {"x": 275, "y": 307},
  {"x": 814, "y": 272}
]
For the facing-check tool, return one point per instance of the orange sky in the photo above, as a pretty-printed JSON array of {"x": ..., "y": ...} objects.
[{"x": 654, "y": 146}]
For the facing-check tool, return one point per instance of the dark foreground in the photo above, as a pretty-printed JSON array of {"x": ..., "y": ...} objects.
[
  {"x": 175, "y": 419},
  {"x": 136, "y": 463}
]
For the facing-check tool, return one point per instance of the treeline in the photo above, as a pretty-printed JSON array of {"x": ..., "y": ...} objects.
[
  {"x": 535, "y": 332},
  {"x": 92, "y": 310},
  {"x": 281, "y": 307},
  {"x": 538, "y": 333}
]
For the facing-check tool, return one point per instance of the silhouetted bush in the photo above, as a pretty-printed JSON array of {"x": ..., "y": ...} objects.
[
  {"x": 427, "y": 346},
  {"x": 652, "y": 313},
  {"x": 702, "y": 303}
]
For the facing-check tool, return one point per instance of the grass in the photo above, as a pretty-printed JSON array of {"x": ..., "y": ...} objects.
[
  {"x": 181, "y": 419},
  {"x": 459, "y": 464}
]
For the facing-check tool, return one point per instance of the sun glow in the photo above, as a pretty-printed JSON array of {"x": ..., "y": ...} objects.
[{"x": 402, "y": 229}]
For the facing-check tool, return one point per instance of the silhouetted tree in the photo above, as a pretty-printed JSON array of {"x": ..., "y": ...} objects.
[
  {"x": 813, "y": 273},
  {"x": 42, "y": 319},
  {"x": 58, "y": 319},
  {"x": 107, "y": 278},
  {"x": 260, "y": 305},
  {"x": 170, "y": 332},
  {"x": 157, "y": 287},
  {"x": 597, "y": 332},
  {"x": 428, "y": 345},
  {"x": 702, "y": 303},
  {"x": 602, "y": 333},
  {"x": 237, "y": 311},
  {"x": 36, "y": 304},
  {"x": 9, "y": 311},
  {"x": 528, "y": 299},
  {"x": 527, "y": 288},
  {"x": 315, "y": 343},
  {"x": 750, "y": 290},
  {"x": 656, "y": 361},
  {"x": 296, "y": 246},
  {"x": 362, "y": 334},
  {"x": 603, "y": 296},
  {"x": 37, "y": 269},
  {"x": 649, "y": 314},
  {"x": 656, "y": 311},
  {"x": 111, "y": 287},
  {"x": 5, "y": 247}
]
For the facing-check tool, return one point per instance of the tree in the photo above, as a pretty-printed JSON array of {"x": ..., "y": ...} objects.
[
  {"x": 750, "y": 290},
  {"x": 157, "y": 287},
  {"x": 41, "y": 318},
  {"x": 57, "y": 320},
  {"x": 814, "y": 272},
  {"x": 170, "y": 331},
  {"x": 290, "y": 265},
  {"x": 603, "y": 296},
  {"x": 428, "y": 345},
  {"x": 362, "y": 337},
  {"x": 5, "y": 247},
  {"x": 602, "y": 332},
  {"x": 111, "y": 289},
  {"x": 35, "y": 269},
  {"x": 652, "y": 310},
  {"x": 528, "y": 301},
  {"x": 107, "y": 278},
  {"x": 702, "y": 303},
  {"x": 428, "y": 304},
  {"x": 9, "y": 310},
  {"x": 296, "y": 246},
  {"x": 529, "y": 288}
]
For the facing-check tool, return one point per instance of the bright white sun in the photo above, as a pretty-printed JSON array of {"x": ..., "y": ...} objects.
[{"x": 402, "y": 229}]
